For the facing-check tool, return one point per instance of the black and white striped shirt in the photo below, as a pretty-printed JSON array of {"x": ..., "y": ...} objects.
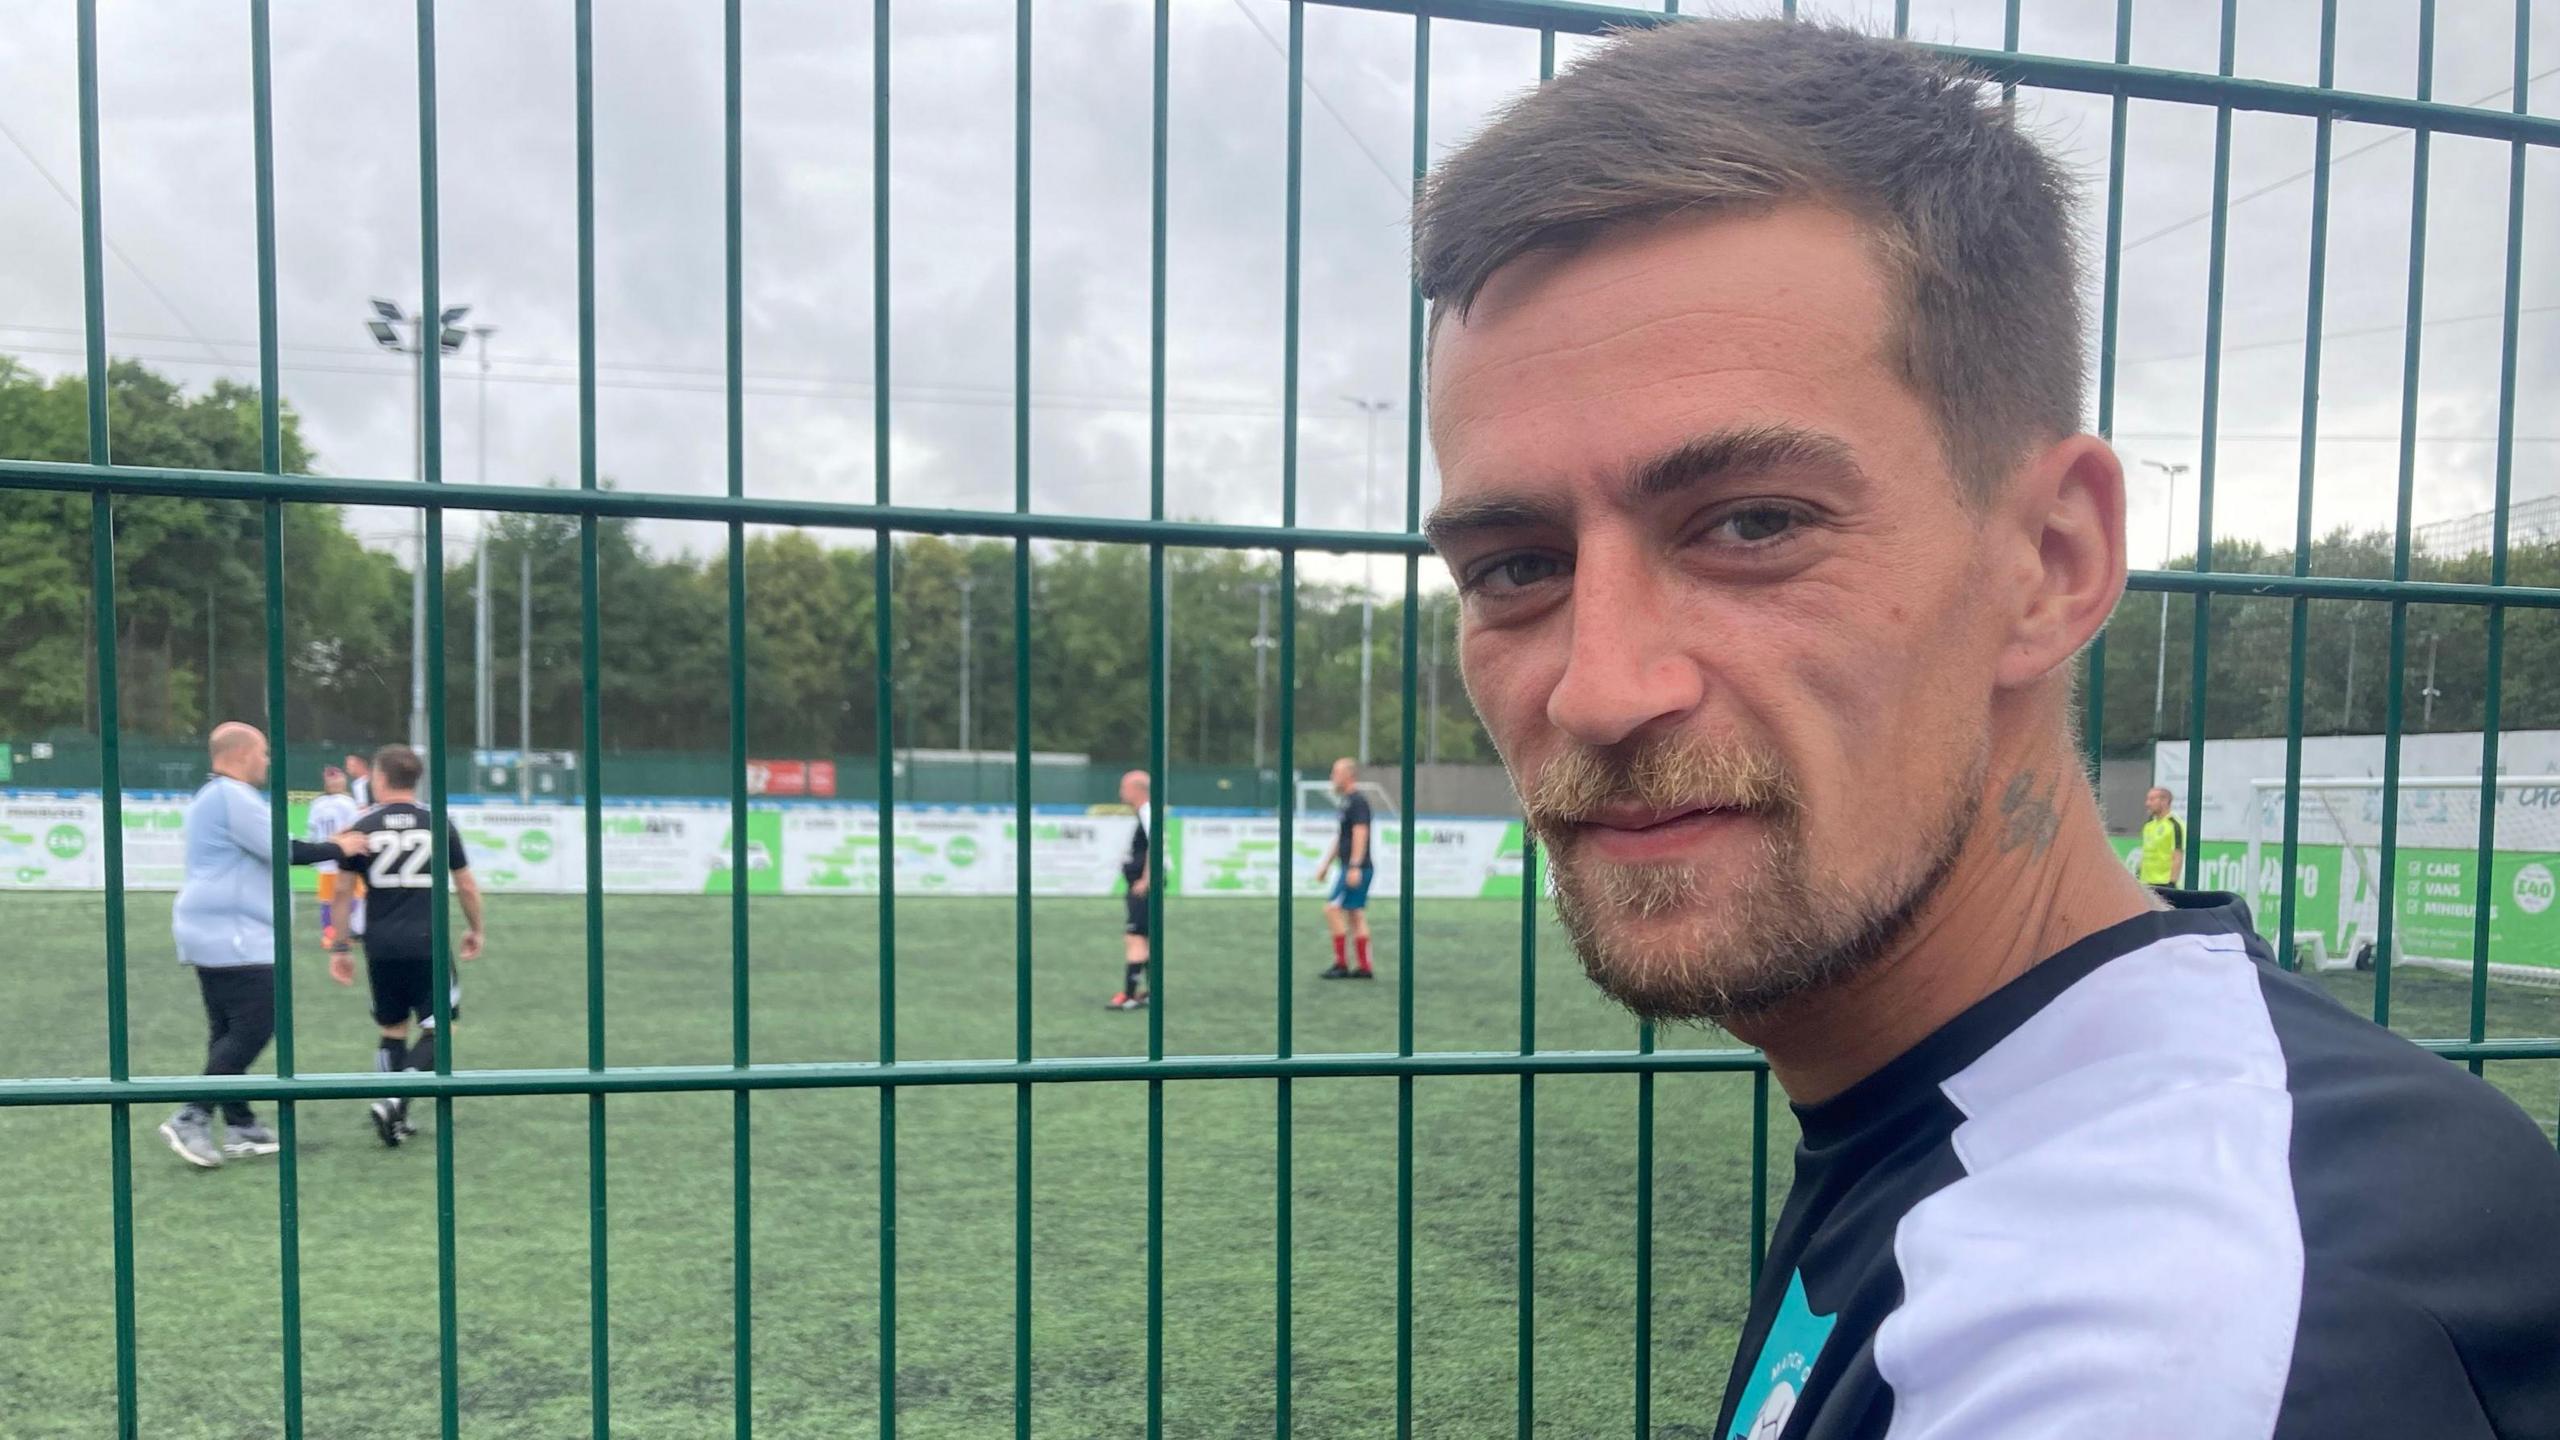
[{"x": 2157, "y": 1189}]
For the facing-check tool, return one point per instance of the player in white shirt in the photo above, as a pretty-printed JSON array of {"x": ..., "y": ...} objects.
[{"x": 333, "y": 812}]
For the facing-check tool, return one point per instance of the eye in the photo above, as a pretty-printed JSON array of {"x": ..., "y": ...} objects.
[
  {"x": 1755, "y": 525},
  {"x": 1514, "y": 572}
]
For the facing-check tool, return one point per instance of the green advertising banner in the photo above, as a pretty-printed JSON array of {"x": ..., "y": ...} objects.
[{"x": 2336, "y": 899}]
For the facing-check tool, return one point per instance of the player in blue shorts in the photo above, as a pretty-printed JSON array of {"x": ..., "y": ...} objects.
[{"x": 1346, "y": 906}]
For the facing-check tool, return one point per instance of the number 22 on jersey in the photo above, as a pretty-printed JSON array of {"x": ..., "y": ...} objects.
[{"x": 400, "y": 859}]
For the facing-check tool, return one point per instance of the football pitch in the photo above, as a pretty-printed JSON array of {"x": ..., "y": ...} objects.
[{"x": 208, "y": 1299}]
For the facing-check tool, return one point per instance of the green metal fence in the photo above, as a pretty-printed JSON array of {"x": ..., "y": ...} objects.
[{"x": 105, "y": 482}]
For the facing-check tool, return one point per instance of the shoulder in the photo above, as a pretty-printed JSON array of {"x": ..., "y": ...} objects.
[
  {"x": 2189, "y": 1164},
  {"x": 2402, "y": 1157},
  {"x": 2125, "y": 1213},
  {"x": 2428, "y": 1203}
]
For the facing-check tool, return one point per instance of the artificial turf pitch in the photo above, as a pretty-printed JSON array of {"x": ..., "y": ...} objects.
[{"x": 208, "y": 1304}]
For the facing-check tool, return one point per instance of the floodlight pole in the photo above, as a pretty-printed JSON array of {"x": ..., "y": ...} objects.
[
  {"x": 483, "y": 715},
  {"x": 385, "y": 328},
  {"x": 418, "y": 528},
  {"x": 1431, "y": 737},
  {"x": 968, "y": 583},
  {"x": 1261, "y": 675},
  {"x": 1368, "y": 563},
  {"x": 524, "y": 672},
  {"x": 2431, "y": 692},
  {"x": 2168, "y": 541}
]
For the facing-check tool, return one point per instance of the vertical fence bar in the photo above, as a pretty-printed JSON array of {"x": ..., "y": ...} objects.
[
  {"x": 2009, "y": 43},
  {"x": 2207, "y": 446},
  {"x": 2314, "y": 309},
  {"x": 1404, "y": 893},
  {"x": 884, "y": 700},
  {"x": 1156, "y": 639},
  {"x": 591, "y": 741},
  {"x": 1759, "y": 1171},
  {"x": 2387, "y": 885},
  {"x": 2093, "y": 707},
  {"x": 741, "y": 1131},
  {"x": 271, "y": 461},
  {"x": 1022, "y": 717},
  {"x": 2110, "y": 305},
  {"x": 1284, "y": 1182},
  {"x": 1525, "y": 1422},
  {"x": 2111, "y": 283},
  {"x": 429, "y": 336},
  {"x": 102, "y": 599},
  {"x": 1901, "y": 18},
  {"x": 2494, "y": 684},
  {"x": 1644, "y": 1228}
]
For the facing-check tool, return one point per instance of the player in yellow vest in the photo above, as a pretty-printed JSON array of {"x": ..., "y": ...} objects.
[{"x": 2164, "y": 842}]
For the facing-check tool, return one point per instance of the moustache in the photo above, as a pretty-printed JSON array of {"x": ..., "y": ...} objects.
[{"x": 1662, "y": 774}]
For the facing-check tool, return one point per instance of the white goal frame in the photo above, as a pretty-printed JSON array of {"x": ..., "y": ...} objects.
[
  {"x": 1316, "y": 797},
  {"x": 2362, "y": 861}
]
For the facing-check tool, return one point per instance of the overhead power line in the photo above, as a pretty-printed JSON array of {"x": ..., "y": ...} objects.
[{"x": 2272, "y": 186}]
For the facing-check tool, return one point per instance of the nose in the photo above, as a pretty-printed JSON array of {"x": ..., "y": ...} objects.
[{"x": 1626, "y": 671}]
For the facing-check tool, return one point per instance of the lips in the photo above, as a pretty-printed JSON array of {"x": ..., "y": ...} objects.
[
  {"x": 1651, "y": 834},
  {"x": 1641, "y": 818}
]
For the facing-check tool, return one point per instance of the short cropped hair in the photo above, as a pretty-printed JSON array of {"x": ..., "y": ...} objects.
[
  {"x": 1971, "y": 221},
  {"x": 398, "y": 767}
]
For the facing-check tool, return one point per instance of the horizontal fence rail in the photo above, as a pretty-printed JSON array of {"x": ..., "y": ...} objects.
[{"x": 904, "y": 1074}]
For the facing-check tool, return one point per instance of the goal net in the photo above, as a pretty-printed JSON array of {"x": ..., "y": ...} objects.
[
  {"x": 2340, "y": 887},
  {"x": 1316, "y": 797}
]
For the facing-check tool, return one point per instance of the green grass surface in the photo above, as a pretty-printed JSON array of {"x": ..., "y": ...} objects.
[{"x": 205, "y": 1243}]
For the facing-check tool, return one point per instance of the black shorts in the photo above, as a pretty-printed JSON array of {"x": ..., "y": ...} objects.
[
  {"x": 1136, "y": 921},
  {"x": 404, "y": 986}
]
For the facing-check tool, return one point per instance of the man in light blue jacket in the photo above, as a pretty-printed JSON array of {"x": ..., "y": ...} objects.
[{"x": 224, "y": 923}]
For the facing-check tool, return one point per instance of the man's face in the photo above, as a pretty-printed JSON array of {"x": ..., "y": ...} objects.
[
  {"x": 1343, "y": 778},
  {"x": 1133, "y": 794},
  {"x": 2157, "y": 802},
  {"x": 1716, "y": 579},
  {"x": 254, "y": 762}
]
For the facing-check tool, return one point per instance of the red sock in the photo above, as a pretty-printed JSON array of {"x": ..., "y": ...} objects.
[
  {"x": 1337, "y": 953},
  {"x": 1364, "y": 952}
]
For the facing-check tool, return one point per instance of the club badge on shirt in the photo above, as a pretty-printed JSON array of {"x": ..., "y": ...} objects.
[{"x": 1787, "y": 1355}]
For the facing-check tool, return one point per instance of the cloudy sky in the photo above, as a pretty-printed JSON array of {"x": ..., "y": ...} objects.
[{"x": 181, "y": 288}]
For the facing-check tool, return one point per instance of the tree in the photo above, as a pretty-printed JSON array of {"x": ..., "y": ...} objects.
[{"x": 189, "y": 578}]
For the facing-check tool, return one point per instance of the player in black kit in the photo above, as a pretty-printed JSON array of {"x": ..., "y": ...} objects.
[
  {"x": 399, "y": 880},
  {"x": 1133, "y": 927}
]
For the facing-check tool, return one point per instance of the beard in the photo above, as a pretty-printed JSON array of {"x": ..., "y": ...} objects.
[{"x": 1655, "y": 938}]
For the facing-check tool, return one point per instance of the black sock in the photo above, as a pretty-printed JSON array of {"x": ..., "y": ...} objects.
[
  {"x": 1135, "y": 983},
  {"x": 422, "y": 1054},
  {"x": 392, "y": 1054}
]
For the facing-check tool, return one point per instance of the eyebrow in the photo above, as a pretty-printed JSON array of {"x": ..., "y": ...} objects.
[
  {"x": 1748, "y": 450},
  {"x": 1704, "y": 459},
  {"x": 1453, "y": 519}
]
